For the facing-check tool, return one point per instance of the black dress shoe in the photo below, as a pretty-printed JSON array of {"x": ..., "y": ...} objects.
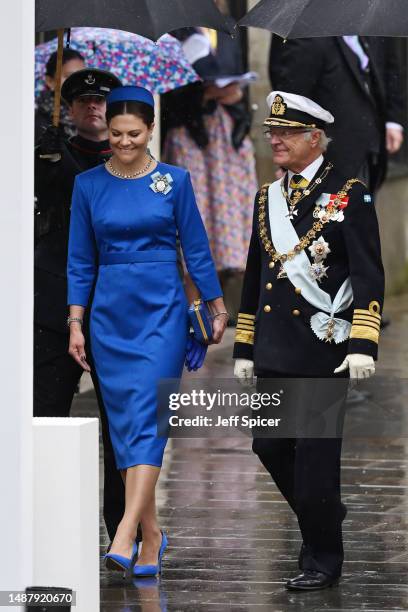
[{"x": 311, "y": 580}]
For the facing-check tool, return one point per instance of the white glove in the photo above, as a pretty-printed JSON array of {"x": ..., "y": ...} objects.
[
  {"x": 360, "y": 366},
  {"x": 244, "y": 371}
]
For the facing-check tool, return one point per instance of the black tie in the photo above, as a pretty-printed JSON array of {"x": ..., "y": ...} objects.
[{"x": 298, "y": 184}]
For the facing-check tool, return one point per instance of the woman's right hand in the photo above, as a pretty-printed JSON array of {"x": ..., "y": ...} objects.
[{"x": 77, "y": 347}]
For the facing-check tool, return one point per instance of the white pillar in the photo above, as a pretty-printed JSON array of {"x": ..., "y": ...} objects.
[
  {"x": 16, "y": 263},
  {"x": 66, "y": 507}
]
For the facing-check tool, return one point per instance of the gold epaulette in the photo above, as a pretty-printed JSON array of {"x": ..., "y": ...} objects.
[
  {"x": 245, "y": 328},
  {"x": 366, "y": 323}
]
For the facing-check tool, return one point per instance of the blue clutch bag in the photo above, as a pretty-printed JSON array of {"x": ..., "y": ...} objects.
[{"x": 201, "y": 321}]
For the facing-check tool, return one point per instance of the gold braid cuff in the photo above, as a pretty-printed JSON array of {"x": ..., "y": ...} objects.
[
  {"x": 366, "y": 323},
  {"x": 245, "y": 328},
  {"x": 246, "y": 337},
  {"x": 359, "y": 332}
]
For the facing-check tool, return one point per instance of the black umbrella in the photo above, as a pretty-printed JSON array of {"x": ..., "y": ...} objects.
[
  {"x": 149, "y": 18},
  {"x": 310, "y": 18}
]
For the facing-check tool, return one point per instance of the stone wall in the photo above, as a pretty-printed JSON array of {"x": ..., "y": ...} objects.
[{"x": 392, "y": 208}]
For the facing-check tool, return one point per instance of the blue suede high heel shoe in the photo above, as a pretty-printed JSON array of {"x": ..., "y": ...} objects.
[
  {"x": 144, "y": 571},
  {"x": 117, "y": 563}
]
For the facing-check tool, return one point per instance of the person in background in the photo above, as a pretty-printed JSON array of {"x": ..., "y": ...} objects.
[
  {"x": 358, "y": 80},
  {"x": 71, "y": 62},
  {"x": 57, "y": 162},
  {"x": 205, "y": 129}
]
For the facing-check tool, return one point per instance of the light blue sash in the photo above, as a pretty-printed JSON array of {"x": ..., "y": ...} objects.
[{"x": 285, "y": 238}]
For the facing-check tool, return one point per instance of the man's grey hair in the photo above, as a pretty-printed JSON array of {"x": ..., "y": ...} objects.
[{"x": 324, "y": 140}]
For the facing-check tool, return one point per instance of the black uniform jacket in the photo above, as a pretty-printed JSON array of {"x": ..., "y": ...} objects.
[
  {"x": 54, "y": 183},
  {"x": 273, "y": 326},
  {"x": 328, "y": 71}
]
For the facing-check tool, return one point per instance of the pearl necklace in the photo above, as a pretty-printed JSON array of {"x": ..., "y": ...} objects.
[{"x": 130, "y": 176}]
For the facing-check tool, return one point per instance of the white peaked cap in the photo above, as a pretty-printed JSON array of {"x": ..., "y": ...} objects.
[{"x": 292, "y": 110}]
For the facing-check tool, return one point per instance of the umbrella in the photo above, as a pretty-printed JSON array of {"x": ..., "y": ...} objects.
[
  {"x": 309, "y": 18},
  {"x": 160, "y": 67},
  {"x": 149, "y": 18}
]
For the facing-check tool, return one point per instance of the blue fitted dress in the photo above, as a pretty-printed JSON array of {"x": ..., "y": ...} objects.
[{"x": 123, "y": 236}]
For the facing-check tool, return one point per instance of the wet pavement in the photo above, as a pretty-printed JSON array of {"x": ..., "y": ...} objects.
[{"x": 233, "y": 540}]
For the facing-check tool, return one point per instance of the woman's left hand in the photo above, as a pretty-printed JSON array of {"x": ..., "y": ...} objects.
[
  {"x": 219, "y": 327},
  {"x": 220, "y": 317}
]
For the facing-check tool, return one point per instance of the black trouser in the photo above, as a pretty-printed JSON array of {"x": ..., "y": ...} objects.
[
  {"x": 307, "y": 472},
  {"x": 56, "y": 377}
]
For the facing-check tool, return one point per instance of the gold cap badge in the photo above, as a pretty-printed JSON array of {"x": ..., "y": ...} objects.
[{"x": 278, "y": 108}]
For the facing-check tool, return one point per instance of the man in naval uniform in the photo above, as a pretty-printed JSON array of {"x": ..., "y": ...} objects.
[{"x": 311, "y": 308}]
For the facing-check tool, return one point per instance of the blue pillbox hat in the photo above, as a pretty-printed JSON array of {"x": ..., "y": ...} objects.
[{"x": 130, "y": 93}]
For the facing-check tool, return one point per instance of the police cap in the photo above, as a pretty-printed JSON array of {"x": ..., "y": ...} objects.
[{"x": 89, "y": 82}]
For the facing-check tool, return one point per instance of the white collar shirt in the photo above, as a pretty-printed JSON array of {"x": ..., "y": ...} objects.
[{"x": 308, "y": 173}]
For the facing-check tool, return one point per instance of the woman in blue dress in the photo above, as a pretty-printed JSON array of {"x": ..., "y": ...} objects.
[{"x": 124, "y": 220}]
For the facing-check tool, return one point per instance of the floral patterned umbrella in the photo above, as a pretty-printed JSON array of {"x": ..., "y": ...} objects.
[{"x": 159, "y": 67}]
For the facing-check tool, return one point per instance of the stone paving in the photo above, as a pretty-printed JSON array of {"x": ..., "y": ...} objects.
[{"x": 233, "y": 540}]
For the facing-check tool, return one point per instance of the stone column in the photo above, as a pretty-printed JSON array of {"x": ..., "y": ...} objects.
[{"x": 258, "y": 46}]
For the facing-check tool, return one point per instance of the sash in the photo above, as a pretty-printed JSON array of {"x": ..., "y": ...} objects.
[{"x": 285, "y": 238}]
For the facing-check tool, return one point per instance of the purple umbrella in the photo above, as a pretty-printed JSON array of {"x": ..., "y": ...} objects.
[{"x": 159, "y": 67}]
